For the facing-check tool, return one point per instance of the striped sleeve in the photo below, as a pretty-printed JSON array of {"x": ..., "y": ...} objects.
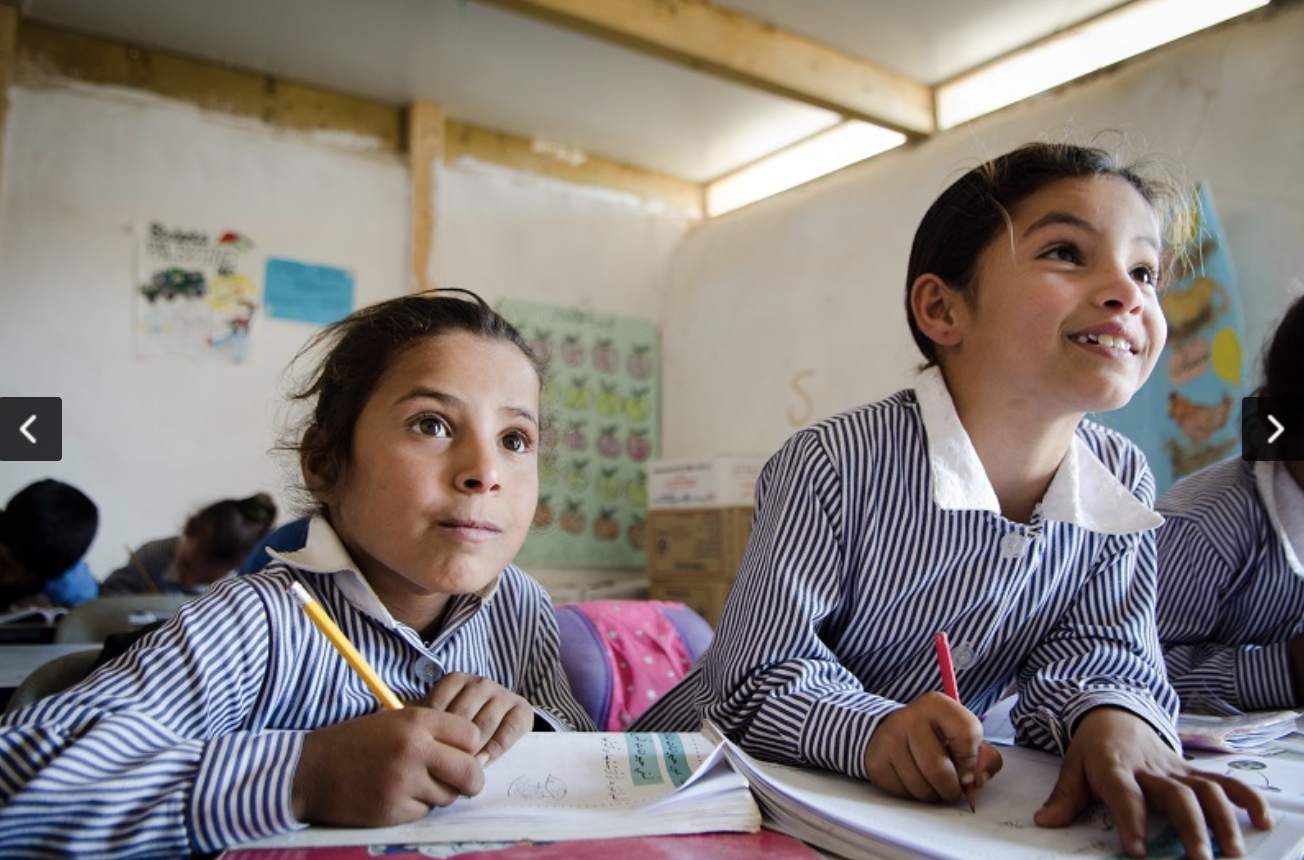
[
  {"x": 786, "y": 694},
  {"x": 1104, "y": 652},
  {"x": 129, "y": 763},
  {"x": 1228, "y": 601},
  {"x": 529, "y": 637}
]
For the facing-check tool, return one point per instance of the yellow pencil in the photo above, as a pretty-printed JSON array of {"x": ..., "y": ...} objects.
[{"x": 345, "y": 647}]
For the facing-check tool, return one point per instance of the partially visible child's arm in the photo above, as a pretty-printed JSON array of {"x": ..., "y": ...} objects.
[
  {"x": 1221, "y": 618},
  {"x": 386, "y": 768},
  {"x": 931, "y": 749},
  {"x": 1118, "y": 758}
]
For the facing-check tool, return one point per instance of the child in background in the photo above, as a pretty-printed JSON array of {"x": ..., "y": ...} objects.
[
  {"x": 982, "y": 504},
  {"x": 213, "y": 542},
  {"x": 237, "y": 719},
  {"x": 45, "y": 530},
  {"x": 1231, "y": 586}
]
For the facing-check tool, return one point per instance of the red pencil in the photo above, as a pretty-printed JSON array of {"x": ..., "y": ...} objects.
[{"x": 943, "y": 647}]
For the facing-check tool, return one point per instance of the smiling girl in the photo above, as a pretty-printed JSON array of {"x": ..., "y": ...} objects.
[{"x": 982, "y": 504}]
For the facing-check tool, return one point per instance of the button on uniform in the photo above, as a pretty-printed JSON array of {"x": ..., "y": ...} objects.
[
  {"x": 427, "y": 670},
  {"x": 1013, "y": 545},
  {"x": 963, "y": 655}
]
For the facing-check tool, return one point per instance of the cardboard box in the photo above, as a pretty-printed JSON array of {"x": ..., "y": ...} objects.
[
  {"x": 706, "y": 598},
  {"x": 697, "y": 543},
  {"x": 693, "y": 555},
  {"x": 713, "y": 482}
]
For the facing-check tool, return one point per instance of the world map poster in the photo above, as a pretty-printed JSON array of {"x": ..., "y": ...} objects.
[{"x": 601, "y": 402}]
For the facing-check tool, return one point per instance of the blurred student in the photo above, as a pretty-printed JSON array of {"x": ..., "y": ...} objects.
[
  {"x": 980, "y": 503},
  {"x": 238, "y": 719},
  {"x": 213, "y": 542},
  {"x": 45, "y": 532},
  {"x": 285, "y": 538},
  {"x": 1231, "y": 585}
]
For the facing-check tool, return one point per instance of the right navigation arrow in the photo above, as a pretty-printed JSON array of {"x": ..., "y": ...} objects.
[{"x": 1279, "y": 431}]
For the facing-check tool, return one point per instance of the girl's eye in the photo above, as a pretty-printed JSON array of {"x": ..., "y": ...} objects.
[
  {"x": 517, "y": 442},
  {"x": 431, "y": 425},
  {"x": 1146, "y": 275},
  {"x": 1067, "y": 253}
]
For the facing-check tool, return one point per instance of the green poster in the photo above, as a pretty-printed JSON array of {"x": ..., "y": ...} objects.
[{"x": 600, "y": 407}]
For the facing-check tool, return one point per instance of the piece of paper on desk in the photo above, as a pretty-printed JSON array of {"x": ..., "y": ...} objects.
[
  {"x": 572, "y": 785},
  {"x": 1277, "y": 774},
  {"x": 1239, "y": 733},
  {"x": 852, "y": 818}
]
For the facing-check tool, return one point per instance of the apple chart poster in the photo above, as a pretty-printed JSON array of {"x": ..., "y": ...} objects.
[{"x": 601, "y": 405}]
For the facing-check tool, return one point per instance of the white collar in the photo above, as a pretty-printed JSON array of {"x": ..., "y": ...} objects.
[
  {"x": 324, "y": 553},
  {"x": 1083, "y": 492},
  {"x": 1275, "y": 485}
]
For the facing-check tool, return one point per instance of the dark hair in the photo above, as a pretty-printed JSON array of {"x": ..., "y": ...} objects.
[
  {"x": 363, "y": 346},
  {"x": 977, "y": 207},
  {"x": 1284, "y": 355},
  {"x": 227, "y": 531},
  {"x": 48, "y": 526}
]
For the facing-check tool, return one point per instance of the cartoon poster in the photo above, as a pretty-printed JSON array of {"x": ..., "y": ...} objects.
[
  {"x": 1187, "y": 416},
  {"x": 193, "y": 298},
  {"x": 600, "y": 405}
]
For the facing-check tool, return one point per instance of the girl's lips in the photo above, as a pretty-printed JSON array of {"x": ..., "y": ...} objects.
[{"x": 475, "y": 529}]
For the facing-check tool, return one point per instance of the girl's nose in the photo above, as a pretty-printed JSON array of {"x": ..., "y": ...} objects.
[
  {"x": 1121, "y": 291},
  {"x": 479, "y": 471}
]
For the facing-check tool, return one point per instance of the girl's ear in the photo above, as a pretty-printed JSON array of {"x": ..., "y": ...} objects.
[
  {"x": 316, "y": 475},
  {"x": 938, "y": 309}
]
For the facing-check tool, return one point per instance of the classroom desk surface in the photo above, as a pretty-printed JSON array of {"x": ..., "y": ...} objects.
[{"x": 19, "y": 661}]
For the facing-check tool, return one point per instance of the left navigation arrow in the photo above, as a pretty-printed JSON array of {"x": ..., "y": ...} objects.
[{"x": 23, "y": 429}]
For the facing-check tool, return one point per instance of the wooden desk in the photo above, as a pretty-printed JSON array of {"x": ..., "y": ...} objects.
[{"x": 19, "y": 661}]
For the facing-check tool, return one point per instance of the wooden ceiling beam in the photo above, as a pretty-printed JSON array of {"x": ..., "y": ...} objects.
[{"x": 748, "y": 51}]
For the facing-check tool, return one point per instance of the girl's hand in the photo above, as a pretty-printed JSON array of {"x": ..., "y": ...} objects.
[
  {"x": 931, "y": 749},
  {"x": 1118, "y": 758},
  {"x": 502, "y": 716},
  {"x": 386, "y": 768}
]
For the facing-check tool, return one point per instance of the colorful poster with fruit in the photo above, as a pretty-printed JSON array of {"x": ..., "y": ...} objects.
[
  {"x": 600, "y": 406},
  {"x": 1187, "y": 415}
]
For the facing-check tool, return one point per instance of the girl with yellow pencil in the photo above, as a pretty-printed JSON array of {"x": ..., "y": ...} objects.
[{"x": 239, "y": 719}]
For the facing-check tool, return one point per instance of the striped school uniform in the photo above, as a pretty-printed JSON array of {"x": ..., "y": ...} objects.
[
  {"x": 1231, "y": 586},
  {"x": 877, "y": 528},
  {"x": 188, "y": 742}
]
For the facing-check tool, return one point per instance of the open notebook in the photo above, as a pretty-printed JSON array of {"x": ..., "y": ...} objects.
[
  {"x": 34, "y": 615},
  {"x": 568, "y": 786},
  {"x": 852, "y": 818},
  {"x": 553, "y": 786}
]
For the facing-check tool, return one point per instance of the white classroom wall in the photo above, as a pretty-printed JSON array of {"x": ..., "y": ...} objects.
[
  {"x": 793, "y": 309},
  {"x": 505, "y": 235},
  {"x": 153, "y": 441}
]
